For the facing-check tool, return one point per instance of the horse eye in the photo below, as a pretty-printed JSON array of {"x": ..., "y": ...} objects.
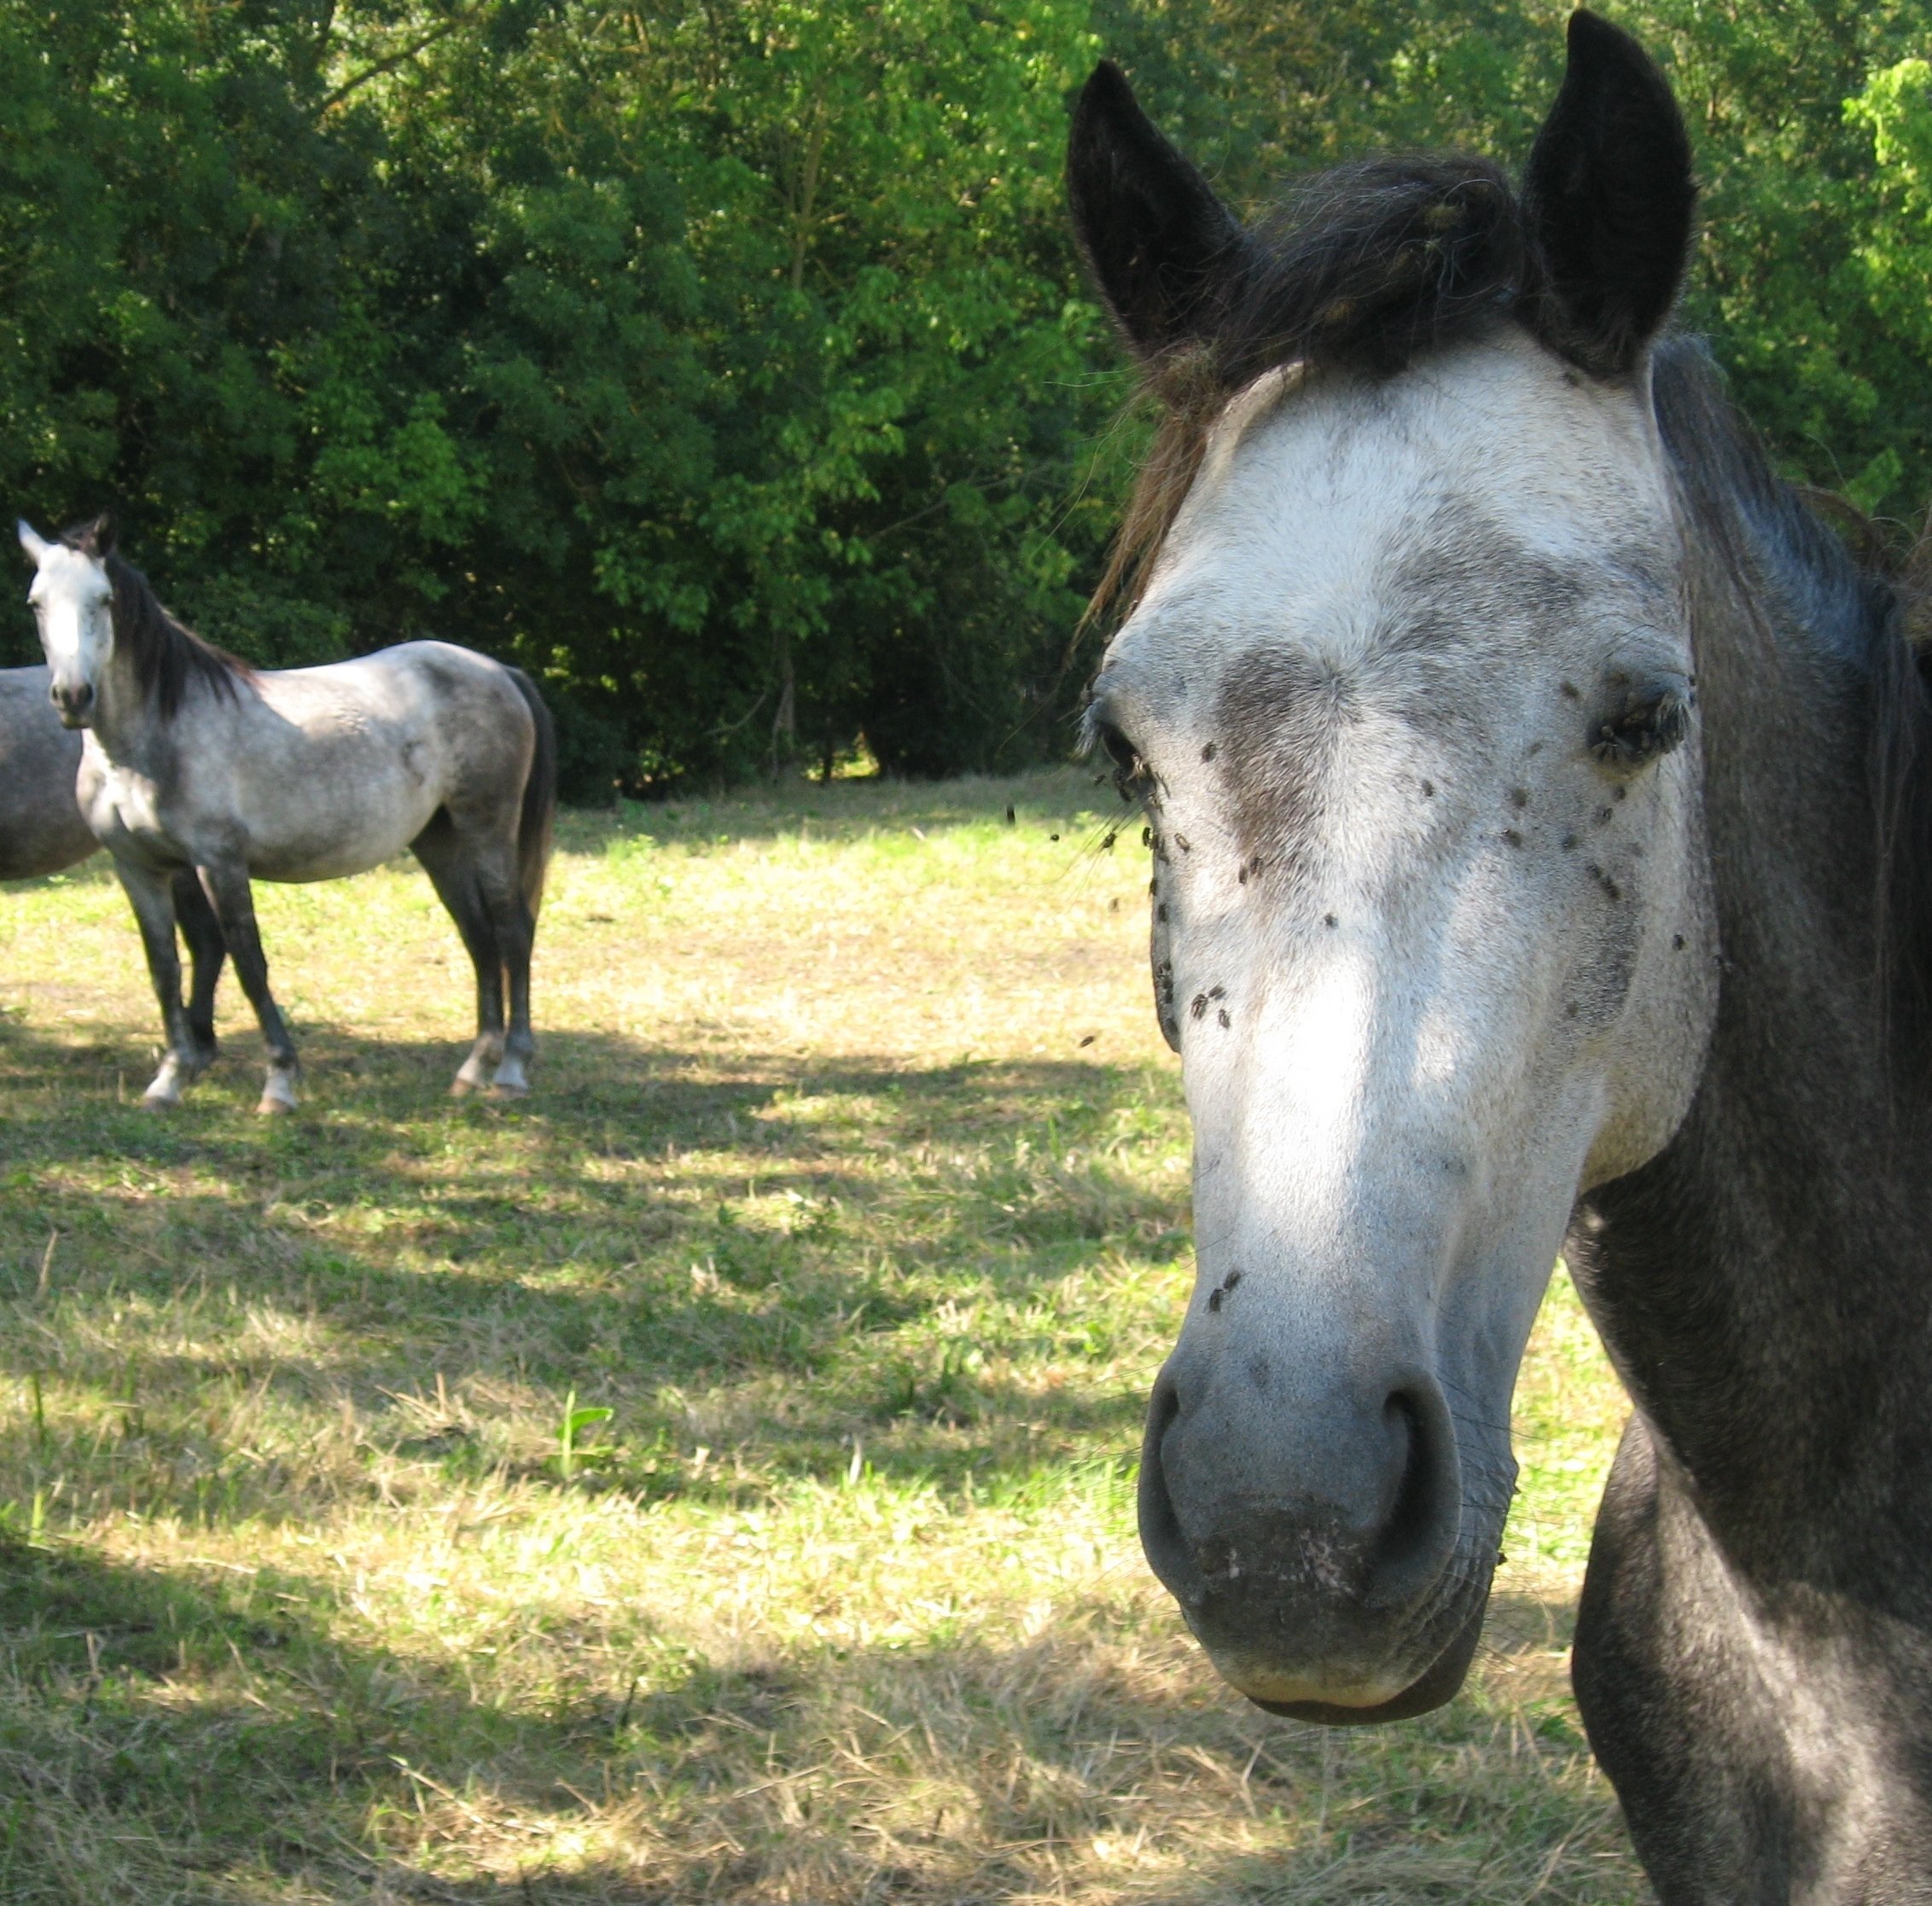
[
  {"x": 1131, "y": 774},
  {"x": 1120, "y": 751},
  {"x": 1655, "y": 718}
]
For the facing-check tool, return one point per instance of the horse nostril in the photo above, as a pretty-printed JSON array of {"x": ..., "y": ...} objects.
[
  {"x": 1419, "y": 1535},
  {"x": 1161, "y": 1537}
]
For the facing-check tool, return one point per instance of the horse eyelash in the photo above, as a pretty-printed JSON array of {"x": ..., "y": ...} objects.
[
  {"x": 1133, "y": 779},
  {"x": 1654, "y": 720}
]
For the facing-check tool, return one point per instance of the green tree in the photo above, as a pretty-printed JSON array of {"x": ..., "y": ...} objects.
[
  {"x": 1892, "y": 269},
  {"x": 725, "y": 361}
]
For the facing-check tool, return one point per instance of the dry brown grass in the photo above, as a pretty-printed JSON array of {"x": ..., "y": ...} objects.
[{"x": 855, "y": 1189}]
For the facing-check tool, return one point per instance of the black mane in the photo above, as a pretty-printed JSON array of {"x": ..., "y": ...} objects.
[
  {"x": 1839, "y": 582},
  {"x": 168, "y": 656},
  {"x": 1863, "y": 604}
]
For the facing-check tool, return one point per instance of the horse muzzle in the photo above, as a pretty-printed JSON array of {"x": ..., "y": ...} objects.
[
  {"x": 1314, "y": 1535},
  {"x": 74, "y": 702}
]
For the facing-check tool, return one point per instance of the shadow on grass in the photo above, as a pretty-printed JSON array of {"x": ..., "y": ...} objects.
[
  {"x": 203, "y": 1737},
  {"x": 156, "y": 1732},
  {"x": 161, "y": 1733},
  {"x": 789, "y": 1243}
]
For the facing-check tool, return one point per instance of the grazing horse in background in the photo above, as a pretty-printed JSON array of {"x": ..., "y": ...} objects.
[
  {"x": 42, "y": 828},
  {"x": 1542, "y": 805},
  {"x": 199, "y": 772}
]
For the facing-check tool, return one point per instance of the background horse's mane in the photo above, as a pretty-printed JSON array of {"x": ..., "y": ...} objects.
[{"x": 167, "y": 654}]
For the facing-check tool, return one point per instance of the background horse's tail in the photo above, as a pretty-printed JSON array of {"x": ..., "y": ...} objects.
[{"x": 539, "y": 798}]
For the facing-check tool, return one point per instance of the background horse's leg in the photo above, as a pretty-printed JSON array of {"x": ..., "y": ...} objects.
[
  {"x": 516, "y": 932},
  {"x": 151, "y": 895},
  {"x": 235, "y": 908},
  {"x": 452, "y": 868},
  {"x": 208, "y": 951}
]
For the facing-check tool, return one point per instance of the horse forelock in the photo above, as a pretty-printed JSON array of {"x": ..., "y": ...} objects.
[
  {"x": 1362, "y": 268},
  {"x": 1369, "y": 267}
]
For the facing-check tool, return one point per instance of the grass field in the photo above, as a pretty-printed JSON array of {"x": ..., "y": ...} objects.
[{"x": 711, "y": 1479}]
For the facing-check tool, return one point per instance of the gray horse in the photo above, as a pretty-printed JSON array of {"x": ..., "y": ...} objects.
[
  {"x": 1541, "y": 804},
  {"x": 200, "y": 774},
  {"x": 42, "y": 828}
]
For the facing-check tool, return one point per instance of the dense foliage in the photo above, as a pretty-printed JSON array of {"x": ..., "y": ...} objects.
[{"x": 725, "y": 361}]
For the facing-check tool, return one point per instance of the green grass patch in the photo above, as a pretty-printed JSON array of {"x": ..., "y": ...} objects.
[{"x": 710, "y": 1480}]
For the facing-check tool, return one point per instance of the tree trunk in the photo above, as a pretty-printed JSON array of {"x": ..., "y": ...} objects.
[{"x": 784, "y": 717}]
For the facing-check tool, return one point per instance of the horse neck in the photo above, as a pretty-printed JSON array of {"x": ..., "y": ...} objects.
[
  {"x": 126, "y": 721},
  {"x": 1763, "y": 1284}
]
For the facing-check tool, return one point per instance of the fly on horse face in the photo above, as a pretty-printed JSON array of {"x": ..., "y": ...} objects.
[
  {"x": 200, "y": 774},
  {"x": 42, "y": 828},
  {"x": 1538, "y": 797}
]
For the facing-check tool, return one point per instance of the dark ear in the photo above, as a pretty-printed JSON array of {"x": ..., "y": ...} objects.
[
  {"x": 1164, "y": 250},
  {"x": 1608, "y": 197},
  {"x": 97, "y": 539}
]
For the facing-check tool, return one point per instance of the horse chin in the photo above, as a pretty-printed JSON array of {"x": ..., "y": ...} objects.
[{"x": 1435, "y": 1685}]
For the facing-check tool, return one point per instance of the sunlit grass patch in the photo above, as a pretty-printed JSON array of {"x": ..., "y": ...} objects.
[{"x": 854, "y": 1192}]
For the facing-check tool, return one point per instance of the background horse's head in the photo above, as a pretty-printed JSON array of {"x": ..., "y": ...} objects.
[
  {"x": 74, "y": 604},
  {"x": 1407, "y": 688}
]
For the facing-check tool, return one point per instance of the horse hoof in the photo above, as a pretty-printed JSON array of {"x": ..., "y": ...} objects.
[
  {"x": 278, "y": 1096},
  {"x": 501, "y": 1091},
  {"x": 461, "y": 1088},
  {"x": 159, "y": 1102}
]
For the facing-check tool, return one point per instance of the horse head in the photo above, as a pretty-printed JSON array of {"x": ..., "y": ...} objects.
[
  {"x": 1407, "y": 688},
  {"x": 72, "y": 601}
]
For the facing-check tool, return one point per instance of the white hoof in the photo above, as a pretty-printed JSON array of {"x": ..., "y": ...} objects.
[
  {"x": 163, "y": 1093},
  {"x": 511, "y": 1081},
  {"x": 277, "y": 1096},
  {"x": 471, "y": 1074}
]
